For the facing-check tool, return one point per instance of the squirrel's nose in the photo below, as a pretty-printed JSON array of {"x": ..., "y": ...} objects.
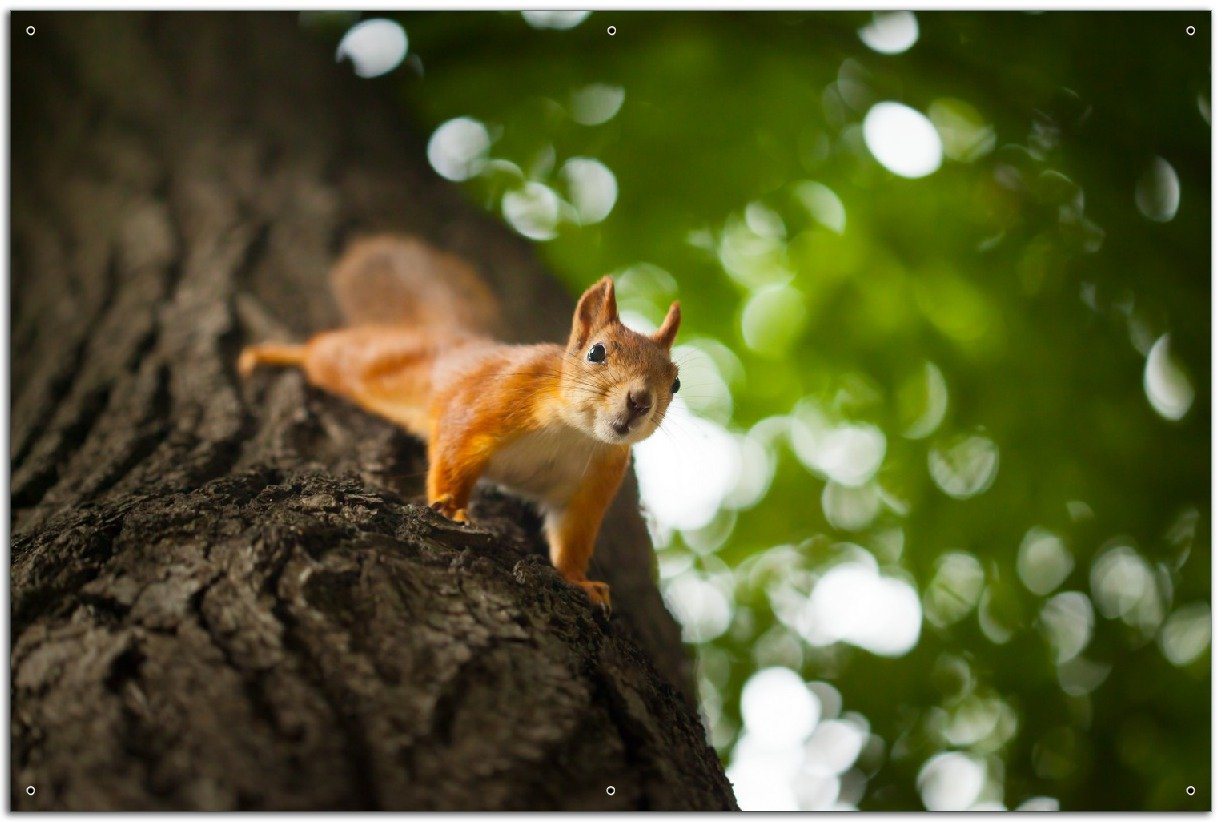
[{"x": 639, "y": 402}]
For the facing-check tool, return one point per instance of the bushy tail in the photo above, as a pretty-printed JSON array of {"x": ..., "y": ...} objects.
[{"x": 393, "y": 279}]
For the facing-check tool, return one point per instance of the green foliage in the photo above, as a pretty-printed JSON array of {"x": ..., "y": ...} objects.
[{"x": 992, "y": 320}]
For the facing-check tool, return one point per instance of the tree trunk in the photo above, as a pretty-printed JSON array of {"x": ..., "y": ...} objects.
[{"x": 230, "y": 596}]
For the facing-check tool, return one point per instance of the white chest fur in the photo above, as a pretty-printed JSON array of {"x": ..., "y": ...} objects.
[{"x": 546, "y": 465}]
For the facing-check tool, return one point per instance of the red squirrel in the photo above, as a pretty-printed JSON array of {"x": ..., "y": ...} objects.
[{"x": 552, "y": 423}]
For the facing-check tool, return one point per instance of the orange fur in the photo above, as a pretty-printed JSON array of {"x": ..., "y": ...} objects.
[
  {"x": 572, "y": 531},
  {"x": 552, "y": 422}
]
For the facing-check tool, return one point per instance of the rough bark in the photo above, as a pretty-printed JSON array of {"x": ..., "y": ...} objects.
[{"x": 228, "y": 595}]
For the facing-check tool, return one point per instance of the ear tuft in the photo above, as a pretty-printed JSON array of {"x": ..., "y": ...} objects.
[{"x": 665, "y": 335}]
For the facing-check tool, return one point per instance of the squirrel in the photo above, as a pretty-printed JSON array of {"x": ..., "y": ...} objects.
[{"x": 553, "y": 423}]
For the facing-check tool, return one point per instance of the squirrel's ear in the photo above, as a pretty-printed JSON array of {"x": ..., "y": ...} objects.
[
  {"x": 595, "y": 309},
  {"x": 665, "y": 335}
]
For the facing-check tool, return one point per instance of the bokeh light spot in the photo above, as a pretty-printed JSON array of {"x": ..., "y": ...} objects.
[
  {"x": 992, "y": 619},
  {"x": 778, "y": 709},
  {"x": 922, "y": 400},
  {"x": 558, "y": 19},
  {"x": 1167, "y": 386},
  {"x": 956, "y": 586},
  {"x": 751, "y": 258},
  {"x": 1123, "y": 586},
  {"x": 890, "y": 32},
  {"x": 850, "y": 508},
  {"x": 592, "y": 188},
  {"x": 1158, "y": 191},
  {"x": 830, "y": 700},
  {"x": 964, "y": 466},
  {"x": 756, "y": 468},
  {"x": 1079, "y": 676},
  {"x": 458, "y": 149},
  {"x": 764, "y": 221},
  {"x": 833, "y": 746},
  {"x": 848, "y": 454},
  {"x": 815, "y": 791},
  {"x": 1186, "y": 634},
  {"x": 951, "y": 781},
  {"x": 686, "y": 469},
  {"x": 851, "y": 454},
  {"x": 532, "y": 210},
  {"x": 822, "y": 204},
  {"x": 1068, "y": 621},
  {"x": 764, "y": 776},
  {"x": 902, "y": 139},
  {"x": 974, "y": 721},
  {"x": 375, "y": 47},
  {"x": 853, "y": 603},
  {"x": 703, "y": 609},
  {"x": 597, "y": 103},
  {"x": 773, "y": 318},
  {"x": 1043, "y": 561},
  {"x": 708, "y": 392}
]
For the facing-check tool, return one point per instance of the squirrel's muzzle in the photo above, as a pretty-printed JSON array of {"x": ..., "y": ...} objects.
[{"x": 637, "y": 405}]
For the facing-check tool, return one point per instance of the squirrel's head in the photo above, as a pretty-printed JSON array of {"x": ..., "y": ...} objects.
[{"x": 616, "y": 383}]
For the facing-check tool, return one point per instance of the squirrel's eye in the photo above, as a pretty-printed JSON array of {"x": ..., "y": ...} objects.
[
  {"x": 598, "y": 353},
  {"x": 674, "y": 389}
]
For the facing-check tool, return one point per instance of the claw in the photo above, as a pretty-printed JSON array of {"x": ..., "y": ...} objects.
[
  {"x": 444, "y": 505},
  {"x": 598, "y": 592}
]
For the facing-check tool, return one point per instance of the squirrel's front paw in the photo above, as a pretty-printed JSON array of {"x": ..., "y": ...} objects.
[
  {"x": 447, "y": 507},
  {"x": 598, "y": 592}
]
